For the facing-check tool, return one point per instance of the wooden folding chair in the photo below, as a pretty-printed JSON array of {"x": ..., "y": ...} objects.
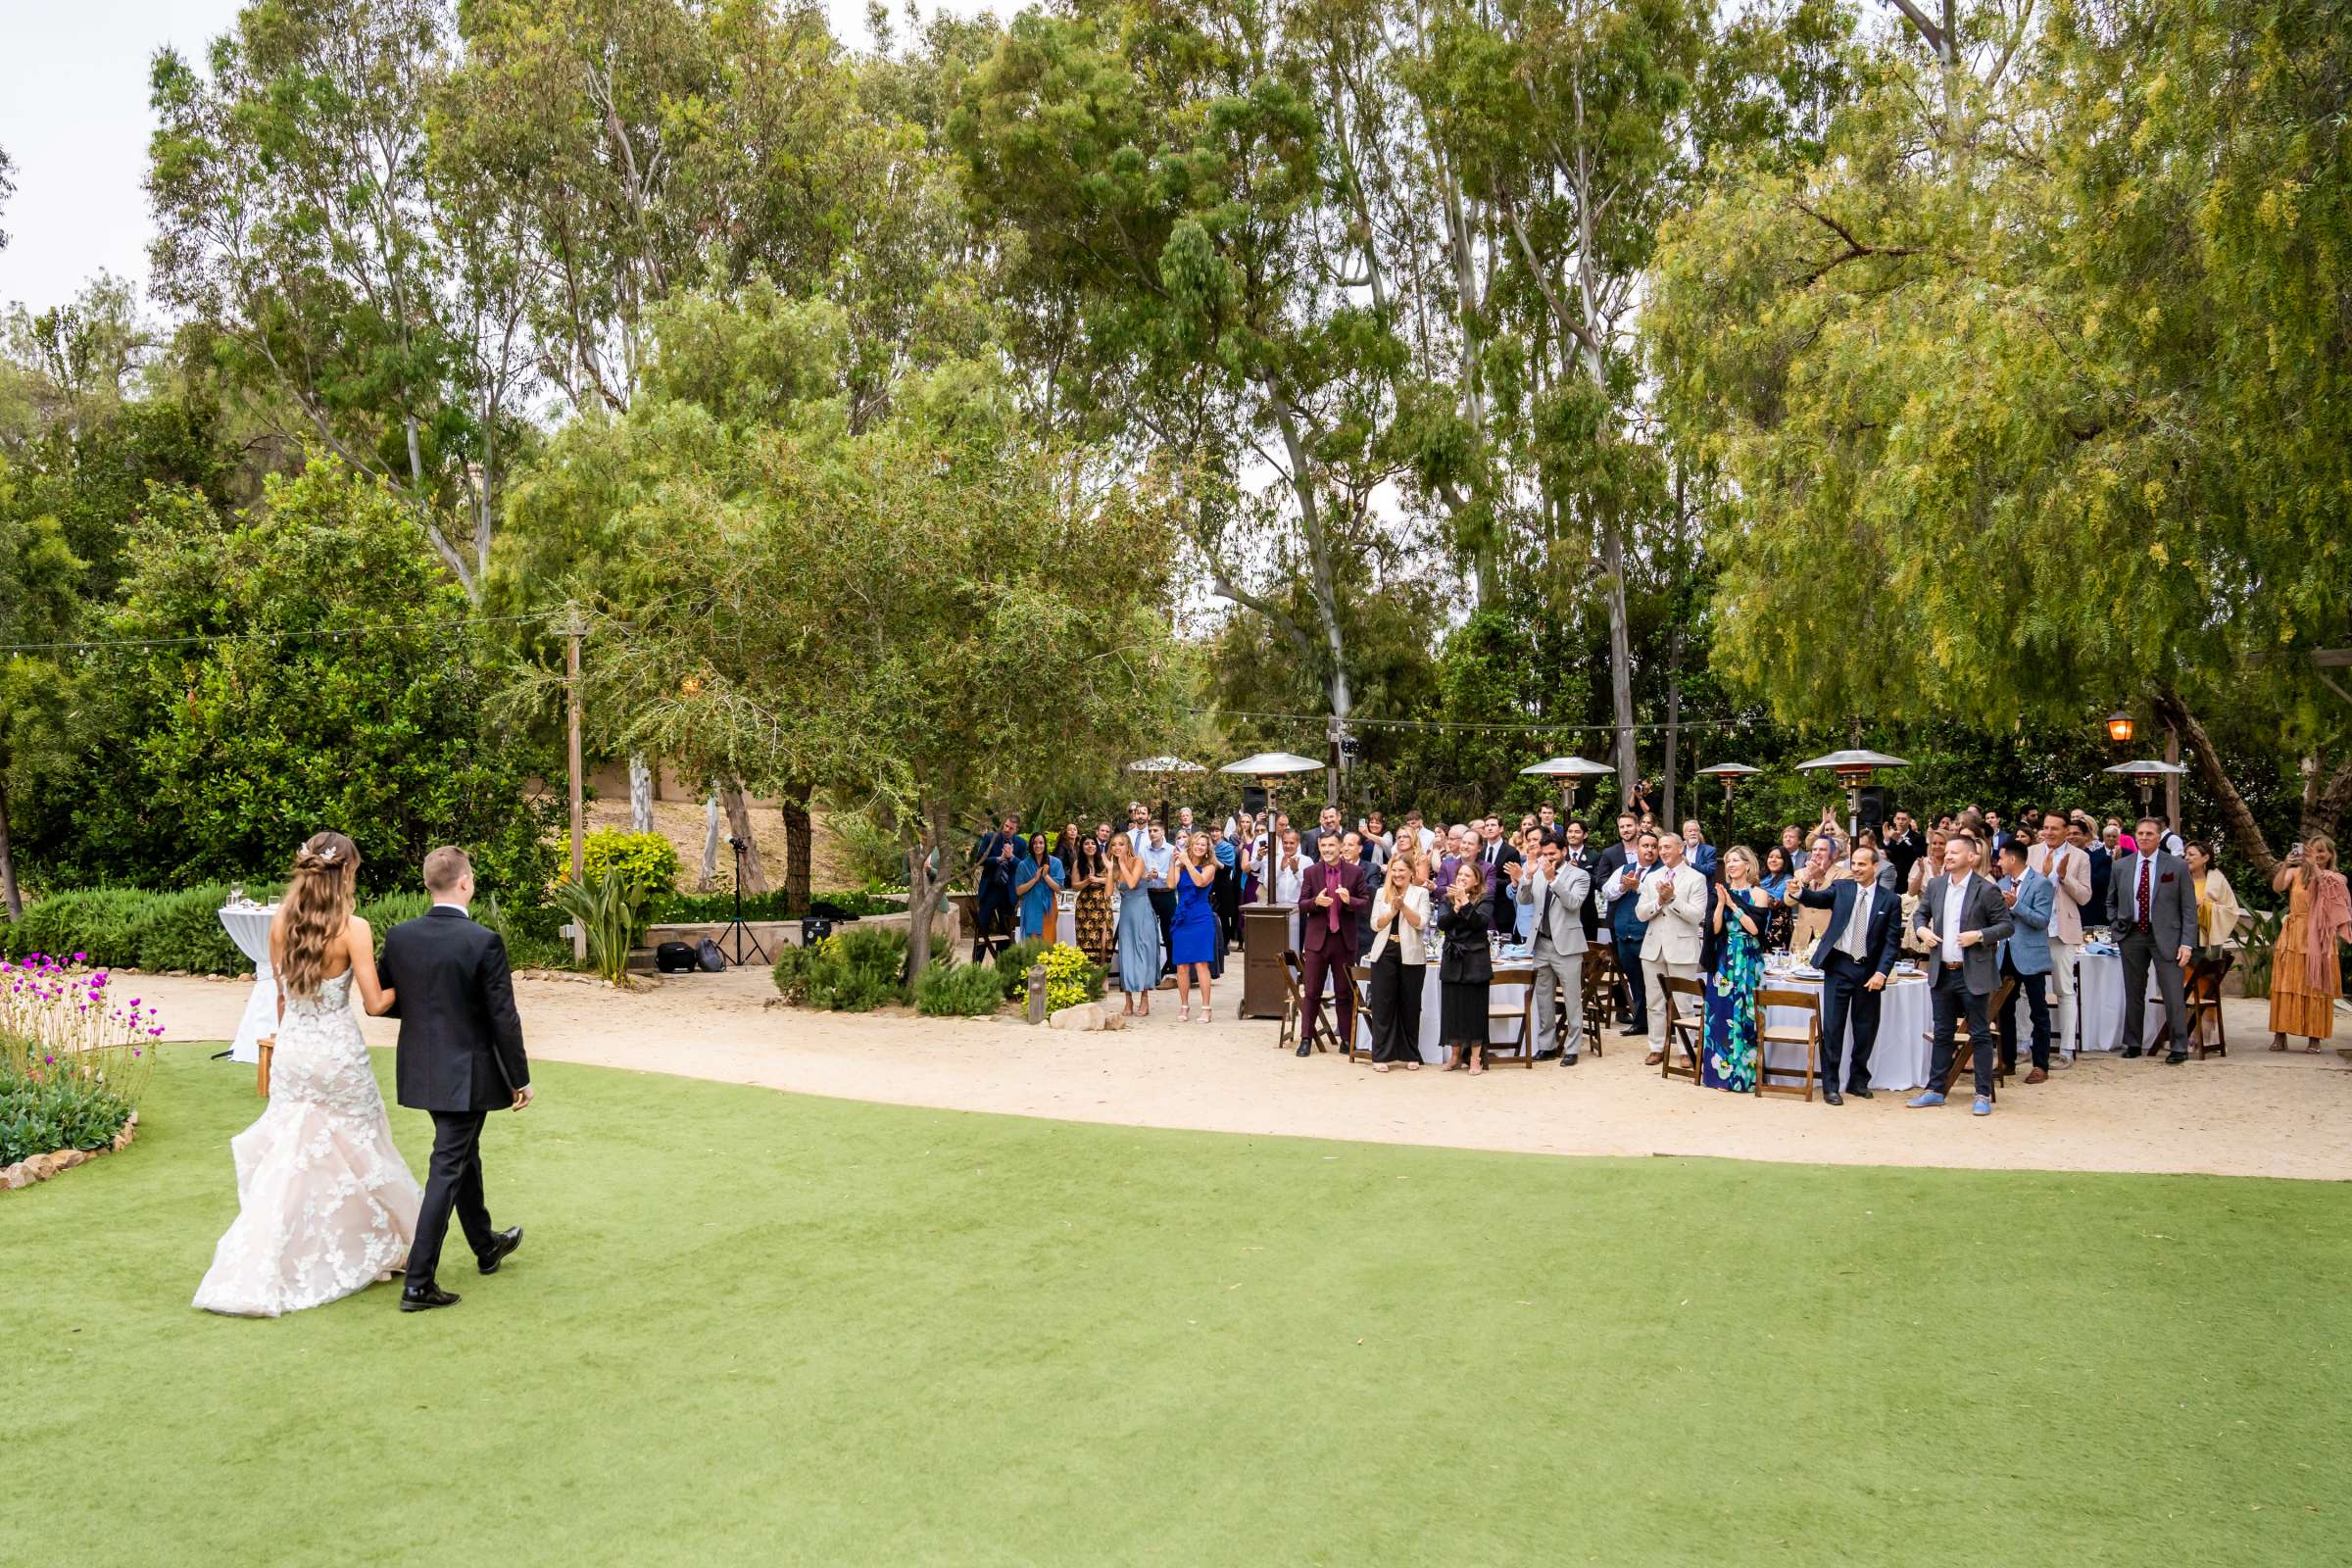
[
  {"x": 1360, "y": 975},
  {"x": 1525, "y": 1052},
  {"x": 1964, "y": 1048},
  {"x": 2205, "y": 1001},
  {"x": 1600, "y": 974},
  {"x": 1809, "y": 1035},
  {"x": 1684, "y": 1030},
  {"x": 1294, "y": 1007}
]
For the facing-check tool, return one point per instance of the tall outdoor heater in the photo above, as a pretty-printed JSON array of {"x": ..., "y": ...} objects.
[
  {"x": 1853, "y": 769},
  {"x": 1571, "y": 771},
  {"x": 1728, "y": 774},
  {"x": 1266, "y": 924},
  {"x": 2145, "y": 774},
  {"x": 1163, "y": 770}
]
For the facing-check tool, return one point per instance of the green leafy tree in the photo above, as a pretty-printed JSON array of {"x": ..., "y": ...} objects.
[
  {"x": 361, "y": 306},
  {"x": 40, "y": 584},
  {"x": 291, "y": 668},
  {"x": 2031, "y": 387}
]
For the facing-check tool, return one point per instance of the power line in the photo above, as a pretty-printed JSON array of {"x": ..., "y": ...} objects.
[
  {"x": 1322, "y": 719},
  {"x": 208, "y": 638}
]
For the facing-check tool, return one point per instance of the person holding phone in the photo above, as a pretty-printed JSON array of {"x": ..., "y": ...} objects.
[{"x": 2306, "y": 972}]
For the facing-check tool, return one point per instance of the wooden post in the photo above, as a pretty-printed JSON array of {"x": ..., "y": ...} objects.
[
  {"x": 2172, "y": 781},
  {"x": 573, "y": 633}
]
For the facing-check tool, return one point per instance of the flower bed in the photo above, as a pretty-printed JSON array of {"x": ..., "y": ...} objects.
[{"x": 73, "y": 1059}]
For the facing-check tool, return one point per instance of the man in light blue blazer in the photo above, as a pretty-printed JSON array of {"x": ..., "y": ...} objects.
[{"x": 2033, "y": 901}]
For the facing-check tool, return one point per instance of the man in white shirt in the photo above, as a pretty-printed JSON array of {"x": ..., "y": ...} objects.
[
  {"x": 1289, "y": 864},
  {"x": 1139, "y": 827},
  {"x": 2069, "y": 870},
  {"x": 1967, "y": 918},
  {"x": 1673, "y": 900}
]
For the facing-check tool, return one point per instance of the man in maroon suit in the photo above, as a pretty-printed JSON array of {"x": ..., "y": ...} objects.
[{"x": 1330, "y": 893}]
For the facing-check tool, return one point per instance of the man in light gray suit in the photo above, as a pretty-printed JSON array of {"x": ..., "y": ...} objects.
[
  {"x": 1966, "y": 915},
  {"x": 1557, "y": 889},
  {"x": 2153, "y": 908}
]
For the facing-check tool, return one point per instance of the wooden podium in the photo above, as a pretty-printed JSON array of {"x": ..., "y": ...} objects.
[{"x": 1265, "y": 932}]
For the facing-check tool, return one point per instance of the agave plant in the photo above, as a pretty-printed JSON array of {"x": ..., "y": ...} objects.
[
  {"x": 2255, "y": 950},
  {"x": 605, "y": 906}
]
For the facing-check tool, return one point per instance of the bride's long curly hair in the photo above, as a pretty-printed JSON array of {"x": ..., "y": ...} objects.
[{"x": 318, "y": 906}]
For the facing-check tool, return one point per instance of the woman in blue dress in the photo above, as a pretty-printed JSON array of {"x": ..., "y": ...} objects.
[
  {"x": 1036, "y": 883},
  {"x": 1729, "y": 1059},
  {"x": 1138, "y": 927},
  {"x": 1193, "y": 932}
]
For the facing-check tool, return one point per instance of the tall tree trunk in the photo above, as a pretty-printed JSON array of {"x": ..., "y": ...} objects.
[
  {"x": 795, "y": 806},
  {"x": 711, "y": 837},
  {"x": 1674, "y": 721},
  {"x": 739, "y": 823},
  {"x": 924, "y": 891},
  {"x": 2244, "y": 831},
  {"x": 641, "y": 794},
  {"x": 1621, "y": 662},
  {"x": 7, "y": 865}
]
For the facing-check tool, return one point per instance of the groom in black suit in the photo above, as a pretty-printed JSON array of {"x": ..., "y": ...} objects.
[{"x": 460, "y": 1057}]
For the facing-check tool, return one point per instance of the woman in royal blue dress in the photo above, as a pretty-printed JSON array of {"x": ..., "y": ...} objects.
[
  {"x": 1193, "y": 930},
  {"x": 1729, "y": 1059}
]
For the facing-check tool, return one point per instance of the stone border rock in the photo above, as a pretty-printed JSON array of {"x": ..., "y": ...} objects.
[{"x": 40, "y": 1167}]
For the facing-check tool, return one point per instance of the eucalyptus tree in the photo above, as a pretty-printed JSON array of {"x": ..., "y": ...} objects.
[
  {"x": 1181, "y": 240},
  {"x": 299, "y": 221}
]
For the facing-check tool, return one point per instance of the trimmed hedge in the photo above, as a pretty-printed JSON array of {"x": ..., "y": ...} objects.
[{"x": 127, "y": 928}]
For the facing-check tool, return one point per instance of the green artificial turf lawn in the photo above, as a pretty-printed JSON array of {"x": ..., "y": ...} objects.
[{"x": 748, "y": 1327}]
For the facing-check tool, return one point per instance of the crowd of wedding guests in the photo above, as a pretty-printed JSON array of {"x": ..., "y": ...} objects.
[{"x": 1986, "y": 905}]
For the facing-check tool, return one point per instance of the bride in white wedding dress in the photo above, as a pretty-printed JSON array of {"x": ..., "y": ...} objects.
[{"x": 326, "y": 1206}]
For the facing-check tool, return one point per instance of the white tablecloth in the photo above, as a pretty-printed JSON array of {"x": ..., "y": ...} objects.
[
  {"x": 2101, "y": 1000},
  {"x": 1504, "y": 1032},
  {"x": 1903, "y": 1056},
  {"x": 249, "y": 929}
]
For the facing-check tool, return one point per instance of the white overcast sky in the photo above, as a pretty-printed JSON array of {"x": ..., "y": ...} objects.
[{"x": 73, "y": 116}]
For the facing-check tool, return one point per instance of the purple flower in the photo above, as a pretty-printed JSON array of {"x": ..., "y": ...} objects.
[
  {"x": 134, "y": 1002},
  {"x": 48, "y": 1061},
  {"x": 134, "y": 1054},
  {"x": 81, "y": 957}
]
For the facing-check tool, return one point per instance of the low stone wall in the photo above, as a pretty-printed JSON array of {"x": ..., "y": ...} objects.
[
  {"x": 40, "y": 1167},
  {"x": 773, "y": 935}
]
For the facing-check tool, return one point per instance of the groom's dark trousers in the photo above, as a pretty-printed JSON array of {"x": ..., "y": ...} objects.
[{"x": 455, "y": 1178}]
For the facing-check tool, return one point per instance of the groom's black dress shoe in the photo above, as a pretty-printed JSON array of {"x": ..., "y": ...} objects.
[
  {"x": 424, "y": 1297},
  {"x": 501, "y": 1243}
]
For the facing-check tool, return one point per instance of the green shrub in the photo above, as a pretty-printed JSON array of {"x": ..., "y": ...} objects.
[
  {"x": 382, "y": 914},
  {"x": 1071, "y": 977},
  {"x": 849, "y": 971},
  {"x": 647, "y": 861},
  {"x": 964, "y": 991},
  {"x": 1013, "y": 965},
  {"x": 531, "y": 943},
  {"x": 103, "y": 924},
  {"x": 183, "y": 931},
  {"x": 40, "y": 1117}
]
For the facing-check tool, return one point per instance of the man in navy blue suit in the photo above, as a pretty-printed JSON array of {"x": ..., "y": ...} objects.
[{"x": 1855, "y": 955}]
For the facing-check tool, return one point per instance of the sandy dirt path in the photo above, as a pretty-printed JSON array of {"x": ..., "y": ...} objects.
[{"x": 2252, "y": 1113}]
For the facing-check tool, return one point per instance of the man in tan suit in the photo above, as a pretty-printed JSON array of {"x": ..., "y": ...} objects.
[{"x": 2070, "y": 869}]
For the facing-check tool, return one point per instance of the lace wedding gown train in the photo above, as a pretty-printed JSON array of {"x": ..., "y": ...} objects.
[{"x": 325, "y": 1205}]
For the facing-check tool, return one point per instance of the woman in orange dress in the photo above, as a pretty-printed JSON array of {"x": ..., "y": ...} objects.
[{"x": 2305, "y": 975}]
